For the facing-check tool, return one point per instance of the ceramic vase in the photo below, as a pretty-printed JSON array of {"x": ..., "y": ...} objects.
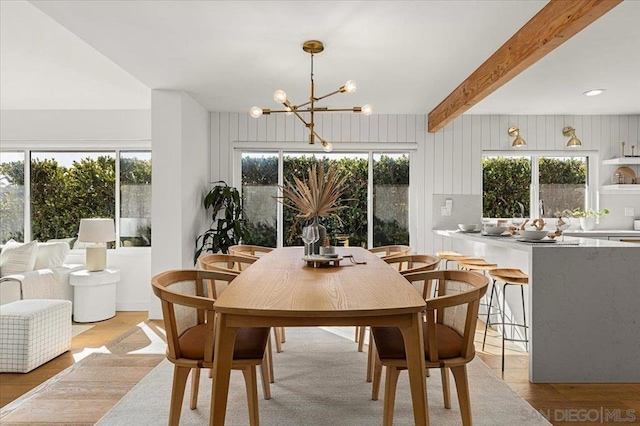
[{"x": 588, "y": 223}]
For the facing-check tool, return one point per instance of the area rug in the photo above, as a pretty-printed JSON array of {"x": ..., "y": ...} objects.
[{"x": 320, "y": 380}]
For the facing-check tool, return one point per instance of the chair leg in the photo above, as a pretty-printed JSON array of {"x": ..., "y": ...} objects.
[
  {"x": 390, "y": 385},
  {"x": 357, "y": 333},
  {"x": 264, "y": 375},
  {"x": 361, "y": 338},
  {"x": 486, "y": 325},
  {"x": 462, "y": 388},
  {"x": 377, "y": 376},
  {"x": 504, "y": 300},
  {"x": 524, "y": 320},
  {"x": 446, "y": 388},
  {"x": 370, "y": 358},
  {"x": 180, "y": 375},
  {"x": 250, "y": 379},
  {"x": 195, "y": 384},
  {"x": 268, "y": 354},
  {"x": 283, "y": 336},
  {"x": 276, "y": 335}
]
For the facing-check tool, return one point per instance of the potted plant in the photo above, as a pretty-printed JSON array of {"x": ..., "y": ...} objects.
[
  {"x": 317, "y": 197},
  {"x": 228, "y": 227},
  {"x": 588, "y": 217}
]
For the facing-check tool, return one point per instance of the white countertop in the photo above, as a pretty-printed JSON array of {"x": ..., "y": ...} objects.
[
  {"x": 512, "y": 242},
  {"x": 603, "y": 233}
]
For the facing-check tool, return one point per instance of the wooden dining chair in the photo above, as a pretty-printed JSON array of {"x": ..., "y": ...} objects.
[
  {"x": 235, "y": 264},
  {"x": 392, "y": 250},
  {"x": 406, "y": 264},
  {"x": 189, "y": 320},
  {"x": 249, "y": 250},
  {"x": 449, "y": 331}
]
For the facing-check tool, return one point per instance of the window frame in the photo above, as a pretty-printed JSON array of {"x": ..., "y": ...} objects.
[
  {"x": 281, "y": 148},
  {"x": 592, "y": 200},
  {"x": 109, "y": 146}
]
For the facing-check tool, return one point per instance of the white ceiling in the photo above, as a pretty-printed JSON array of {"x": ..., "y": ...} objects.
[{"x": 407, "y": 56}]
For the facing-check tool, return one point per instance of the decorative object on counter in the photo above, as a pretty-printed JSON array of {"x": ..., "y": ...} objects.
[
  {"x": 622, "y": 147},
  {"x": 494, "y": 230},
  {"x": 518, "y": 142},
  {"x": 533, "y": 235},
  {"x": 573, "y": 142},
  {"x": 312, "y": 47},
  {"x": 562, "y": 224},
  {"x": 588, "y": 217},
  {"x": 625, "y": 175},
  {"x": 316, "y": 198},
  {"x": 467, "y": 227},
  {"x": 228, "y": 228}
]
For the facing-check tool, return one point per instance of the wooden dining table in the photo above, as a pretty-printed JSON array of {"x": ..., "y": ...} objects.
[{"x": 282, "y": 290}]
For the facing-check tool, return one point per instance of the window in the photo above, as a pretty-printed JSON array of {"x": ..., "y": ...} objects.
[
  {"x": 539, "y": 185},
  {"x": 67, "y": 186},
  {"x": 270, "y": 223},
  {"x": 11, "y": 196},
  {"x": 135, "y": 199}
]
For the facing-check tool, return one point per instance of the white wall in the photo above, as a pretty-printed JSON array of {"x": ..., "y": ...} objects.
[
  {"x": 446, "y": 163},
  {"x": 77, "y": 126},
  {"x": 181, "y": 143}
]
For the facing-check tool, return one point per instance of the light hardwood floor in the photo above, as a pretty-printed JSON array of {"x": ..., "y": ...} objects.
[{"x": 560, "y": 401}]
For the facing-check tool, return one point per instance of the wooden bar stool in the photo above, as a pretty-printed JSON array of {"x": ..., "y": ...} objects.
[
  {"x": 450, "y": 256},
  {"x": 510, "y": 277}
]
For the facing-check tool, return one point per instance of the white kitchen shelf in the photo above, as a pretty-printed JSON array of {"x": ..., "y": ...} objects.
[
  {"x": 622, "y": 160},
  {"x": 626, "y": 188}
]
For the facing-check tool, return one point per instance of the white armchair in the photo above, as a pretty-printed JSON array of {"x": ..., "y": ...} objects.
[{"x": 43, "y": 275}]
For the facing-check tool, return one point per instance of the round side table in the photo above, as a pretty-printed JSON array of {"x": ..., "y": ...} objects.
[{"x": 94, "y": 294}]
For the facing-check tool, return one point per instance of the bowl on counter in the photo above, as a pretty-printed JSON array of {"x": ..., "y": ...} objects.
[
  {"x": 533, "y": 235},
  {"x": 467, "y": 227},
  {"x": 494, "y": 230}
]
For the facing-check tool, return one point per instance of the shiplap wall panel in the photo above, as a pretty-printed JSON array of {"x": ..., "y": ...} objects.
[
  {"x": 457, "y": 157},
  {"x": 446, "y": 162}
]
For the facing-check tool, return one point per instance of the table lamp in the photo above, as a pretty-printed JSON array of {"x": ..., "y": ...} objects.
[{"x": 98, "y": 231}]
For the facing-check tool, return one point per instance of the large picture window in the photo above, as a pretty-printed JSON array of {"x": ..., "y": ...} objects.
[
  {"x": 382, "y": 177},
  {"x": 539, "y": 185},
  {"x": 64, "y": 187}
]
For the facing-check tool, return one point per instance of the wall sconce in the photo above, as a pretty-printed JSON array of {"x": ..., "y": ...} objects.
[
  {"x": 574, "y": 142},
  {"x": 98, "y": 231},
  {"x": 518, "y": 142}
]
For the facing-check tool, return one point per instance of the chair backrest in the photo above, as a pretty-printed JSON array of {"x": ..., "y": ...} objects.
[
  {"x": 229, "y": 263},
  {"x": 394, "y": 250},
  {"x": 455, "y": 306},
  {"x": 185, "y": 304},
  {"x": 249, "y": 250},
  {"x": 407, "y": 264}
]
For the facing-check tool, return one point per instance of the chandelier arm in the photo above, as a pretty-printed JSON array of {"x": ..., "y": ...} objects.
[
  {"x": 354, "y": 109},
  {"x": 329, "y": 94},
  {"x": 300, "y": 117}
]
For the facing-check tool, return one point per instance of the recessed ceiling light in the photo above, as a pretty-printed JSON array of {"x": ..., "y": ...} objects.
[{"x": 593, "y": 92}]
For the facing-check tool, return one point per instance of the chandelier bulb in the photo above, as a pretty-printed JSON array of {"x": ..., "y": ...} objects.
[
  {"x": 280, "y": 96},
  {"x": 327, "y": 146},
  {"x": 367, "y": 109},
  {"x": 255, "y": 112},
  {"x": 350, "y": 86}
]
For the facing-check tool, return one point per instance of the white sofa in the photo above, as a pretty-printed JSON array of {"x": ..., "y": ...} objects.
[{"x": 35, "y": 271}]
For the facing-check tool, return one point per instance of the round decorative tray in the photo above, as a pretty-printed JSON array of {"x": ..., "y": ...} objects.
[{"x": 318, "y": 259}]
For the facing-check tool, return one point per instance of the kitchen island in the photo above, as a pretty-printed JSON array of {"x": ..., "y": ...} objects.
[{"x": 583, "y": 306}]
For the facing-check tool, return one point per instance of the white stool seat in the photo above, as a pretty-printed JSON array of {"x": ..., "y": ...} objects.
[{"x": 33, "y": 332}]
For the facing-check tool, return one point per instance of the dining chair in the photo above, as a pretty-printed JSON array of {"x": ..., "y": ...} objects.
[
  {"x": 449, "y": 331},
  {"x": 392, "y": 250},
  {"x": 249, "y": 250},
  {"x": 189, "y": 320},
  {"x": 406, "y": 264},
  {"x": 384, "y": 252},
  {"x": 235, "y": 264}
]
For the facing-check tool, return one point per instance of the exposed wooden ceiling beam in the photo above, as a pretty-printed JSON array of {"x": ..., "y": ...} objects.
[{"x": 554, "y": 24}]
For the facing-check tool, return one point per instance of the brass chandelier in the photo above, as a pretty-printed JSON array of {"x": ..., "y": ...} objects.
[{"x": 311, "y": 47}]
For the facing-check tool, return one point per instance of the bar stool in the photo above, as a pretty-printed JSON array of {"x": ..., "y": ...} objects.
[
  {"x": 450, "y": 256},
  {"x": 510, "y": 277}
]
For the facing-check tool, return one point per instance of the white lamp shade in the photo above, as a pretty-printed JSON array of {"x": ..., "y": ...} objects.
[{"x": 97, "y": 230}]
